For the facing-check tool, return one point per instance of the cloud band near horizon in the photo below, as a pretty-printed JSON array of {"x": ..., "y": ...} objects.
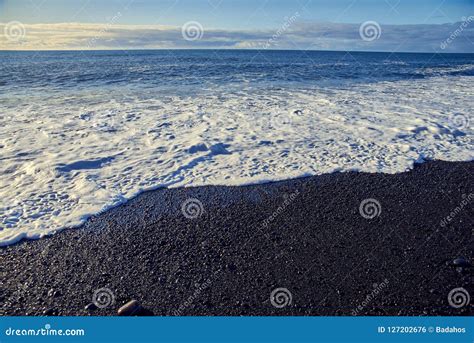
[{"x": 292, "y": 34}]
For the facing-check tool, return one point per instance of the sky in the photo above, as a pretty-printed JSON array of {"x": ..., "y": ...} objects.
[{"x": 369, "y": 25}]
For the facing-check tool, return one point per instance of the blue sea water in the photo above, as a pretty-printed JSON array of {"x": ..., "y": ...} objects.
[{"x": 57, "y": 70}]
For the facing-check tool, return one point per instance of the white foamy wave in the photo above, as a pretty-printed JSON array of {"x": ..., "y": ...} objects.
[{"x": 67, "y": 157}]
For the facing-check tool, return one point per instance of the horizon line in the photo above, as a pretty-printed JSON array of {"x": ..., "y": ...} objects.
[{"x": 240, "y": 49}]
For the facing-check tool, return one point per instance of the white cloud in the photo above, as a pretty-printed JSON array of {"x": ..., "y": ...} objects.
[{"x": 299, "y": 35}]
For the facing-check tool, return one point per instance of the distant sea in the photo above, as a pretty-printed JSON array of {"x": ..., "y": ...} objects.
[
  {"x": 208, "y": 69},
  {"x": 81, "y": 132}
]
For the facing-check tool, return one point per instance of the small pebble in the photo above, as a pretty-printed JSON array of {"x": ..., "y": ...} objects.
[
  {"x": 461, "y": 262},
  {"x": 232, "y": 267},
  {"x": 90, "y": 307},
  {"x": 129, "y": 309},
  {"x": 48, "y": 312},
  {"x": 54, "y": 293}
]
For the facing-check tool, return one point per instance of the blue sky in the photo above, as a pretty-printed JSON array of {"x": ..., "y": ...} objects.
[
  {"x": 237, "y": 14},
  {"x": 420, "y": 25}
]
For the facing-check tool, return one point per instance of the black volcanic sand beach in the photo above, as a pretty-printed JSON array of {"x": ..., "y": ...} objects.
[{"x": 306, "y": 235}]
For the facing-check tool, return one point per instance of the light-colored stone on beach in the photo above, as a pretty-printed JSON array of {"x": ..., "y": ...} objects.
[{"x": 129, "y": 309}]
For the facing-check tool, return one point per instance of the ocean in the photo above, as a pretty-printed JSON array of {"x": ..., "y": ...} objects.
[{"x": 81, "y": 132}]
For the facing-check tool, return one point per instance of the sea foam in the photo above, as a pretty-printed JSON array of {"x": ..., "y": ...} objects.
[{"x": 66, "y": 156}]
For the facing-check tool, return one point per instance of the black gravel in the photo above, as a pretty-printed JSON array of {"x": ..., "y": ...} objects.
[{"x": 305, "y": 235}]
